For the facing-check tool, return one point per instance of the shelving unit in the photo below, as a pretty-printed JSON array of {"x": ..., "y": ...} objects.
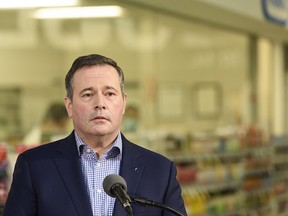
[
  {"x": 280, "y": 173},
  {"x": 10, "y": 121},
  {"x": 4, "y": 175},
  {"x": 227, "y": 175}
]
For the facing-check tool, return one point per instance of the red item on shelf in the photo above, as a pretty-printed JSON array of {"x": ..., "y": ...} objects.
[{"x": 186, "y": 174}]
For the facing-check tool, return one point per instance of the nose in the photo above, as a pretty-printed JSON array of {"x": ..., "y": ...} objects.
[
  {"x": 100, "y": 107},
  {"x": 99, "y": 102}
]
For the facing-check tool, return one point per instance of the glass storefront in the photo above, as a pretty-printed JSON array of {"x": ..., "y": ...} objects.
[
  {"x": 170, "y": 64},
  {"x": 194, "y": 90}
]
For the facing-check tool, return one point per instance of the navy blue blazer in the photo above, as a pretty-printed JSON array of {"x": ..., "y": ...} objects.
[{"x": 48, "y": 181}]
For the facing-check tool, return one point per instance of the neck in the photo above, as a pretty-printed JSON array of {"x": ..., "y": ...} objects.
[{"x": 99, "y": 144}]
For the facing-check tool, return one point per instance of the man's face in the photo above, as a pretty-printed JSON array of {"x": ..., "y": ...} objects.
[{"x": 97, "y": 106}]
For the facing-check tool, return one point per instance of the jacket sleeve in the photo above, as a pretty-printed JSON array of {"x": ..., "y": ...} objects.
[
  {"x": 21, "y": 200},
  {"x": 173, "y": 196}
]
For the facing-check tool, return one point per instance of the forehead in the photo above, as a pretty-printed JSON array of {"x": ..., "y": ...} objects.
[{"x": 96, "y": 73}]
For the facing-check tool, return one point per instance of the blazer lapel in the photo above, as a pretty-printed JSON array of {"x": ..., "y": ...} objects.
[
  {"x": 69, "y": 166},
  {"x": 131, "y": 170}
]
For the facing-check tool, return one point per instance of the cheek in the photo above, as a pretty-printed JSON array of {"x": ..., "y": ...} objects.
[
  {"x": 79, "y": 117},
  {"x": 78, "y": 111},
  {"x": 81, "y": 111}
]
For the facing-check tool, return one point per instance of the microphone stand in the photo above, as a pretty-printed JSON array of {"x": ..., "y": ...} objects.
[{"x": 155, "y": 204}]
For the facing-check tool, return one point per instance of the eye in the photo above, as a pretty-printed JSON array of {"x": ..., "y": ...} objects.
[
  {"x": 110, "y": 93},
  {"x": 86, "y": 95}
]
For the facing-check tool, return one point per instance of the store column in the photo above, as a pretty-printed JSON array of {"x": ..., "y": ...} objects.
[
  {"x": 278, "y": 103},
  {"x": 264, "y": 83}
]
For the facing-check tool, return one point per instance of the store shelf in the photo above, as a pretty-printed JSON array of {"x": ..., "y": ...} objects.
[
  {"x": 226, "y": 175},
  {"x": 10, "y": 120},
  {"x": 280, "y": 173}
]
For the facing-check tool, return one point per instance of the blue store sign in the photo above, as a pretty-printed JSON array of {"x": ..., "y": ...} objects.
[{"x": 276, "y": 11}]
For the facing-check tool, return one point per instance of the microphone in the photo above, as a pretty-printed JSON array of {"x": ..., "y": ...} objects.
[{"x": 115, "y": 186}]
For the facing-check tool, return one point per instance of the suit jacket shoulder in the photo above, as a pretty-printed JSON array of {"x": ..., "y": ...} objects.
[
  {"x": 48, "y": 180},
  {"x": 152, "y": 176}
]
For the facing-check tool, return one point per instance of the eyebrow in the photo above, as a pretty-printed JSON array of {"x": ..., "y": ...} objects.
[
  {"x": 91, "y": 89},
  {"x": 86, "y": 89}
]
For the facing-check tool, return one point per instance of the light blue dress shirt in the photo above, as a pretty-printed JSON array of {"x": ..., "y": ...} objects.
[{"x": 95, "y": 170}]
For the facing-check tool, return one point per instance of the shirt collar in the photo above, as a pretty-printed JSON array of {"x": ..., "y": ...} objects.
[{"x": 116, "y": 146}]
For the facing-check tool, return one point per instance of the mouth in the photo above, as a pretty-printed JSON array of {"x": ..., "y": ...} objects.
[{"x": 99, "y": 118}]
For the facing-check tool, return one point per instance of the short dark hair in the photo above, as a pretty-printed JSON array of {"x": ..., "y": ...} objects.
[{"x": 90, "y": 60}]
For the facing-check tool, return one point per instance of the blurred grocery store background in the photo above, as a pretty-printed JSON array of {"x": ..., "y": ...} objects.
[{"x": 206, "y": 83}]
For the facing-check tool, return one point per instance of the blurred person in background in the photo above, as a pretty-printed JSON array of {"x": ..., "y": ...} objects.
[
  {"x": 130, "y": 121},
  {"x": 52, "y": 127},
  {"x": 65, "y": 177}
]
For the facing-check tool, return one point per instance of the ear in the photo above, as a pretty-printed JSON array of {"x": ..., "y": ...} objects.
[
  {"x": 68, "y": 105},
  {"x": 125, "y": 97}
]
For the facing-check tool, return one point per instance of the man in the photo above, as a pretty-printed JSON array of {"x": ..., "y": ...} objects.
[{"x": 64, "y": 178}]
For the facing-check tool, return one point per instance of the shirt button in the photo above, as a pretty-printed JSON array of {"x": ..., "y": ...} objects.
[
  {"x": 98, "y": 190},
  {"x": 98, "y": 164},
  {"x": 88, "y": 151}
]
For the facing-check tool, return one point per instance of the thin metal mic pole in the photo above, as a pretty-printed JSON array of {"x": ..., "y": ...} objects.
[{"x": 155, "y": 204}]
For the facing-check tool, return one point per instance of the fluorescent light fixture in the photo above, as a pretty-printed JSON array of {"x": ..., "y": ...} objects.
[
  {"x": 16, "y": 4},
  {"x": 78, "y": 12}
]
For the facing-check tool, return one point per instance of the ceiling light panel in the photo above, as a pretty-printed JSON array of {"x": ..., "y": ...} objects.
[
  {"x": 18, "y": 4},
  {"x": 78, "y": 12}
]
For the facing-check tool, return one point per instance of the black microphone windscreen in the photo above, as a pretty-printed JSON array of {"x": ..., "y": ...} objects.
[{"x": 112, "y": 180}]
